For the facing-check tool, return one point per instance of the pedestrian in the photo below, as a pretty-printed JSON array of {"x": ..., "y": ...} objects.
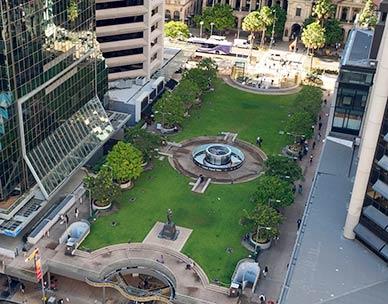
[
  {"x": 258, "y": 141},
  {"x": 320, "y": 117},
  {"x": 66, "y": 219},
  {"x": 22, "y": 288},
  {"x": 266, "y": 269},
  {"x": 293, "y": 189},
  {"x": 319, "y": 136},
  {"x": 325, "y": 102},
  {"x": 76, "y": 211},
  {"x": 300, "y": 189},
  {"x": 262, "y": 299},
  {"x": 161, "y": 260},
  {"x": 314, "y": 144},
  {"x": 311, "y": 159},
  {"x": 319, "y": 126},
  {"x": 299, "y": 221},
  {"x": 300, "y": 155}
]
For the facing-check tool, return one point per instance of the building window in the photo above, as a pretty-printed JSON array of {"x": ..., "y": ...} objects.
[
  {"x": 177, "y": 16},
  {"x": 298, "y": 12}
]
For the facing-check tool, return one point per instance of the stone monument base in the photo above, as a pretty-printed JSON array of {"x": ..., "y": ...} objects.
[{"x": 169, "y": 232}]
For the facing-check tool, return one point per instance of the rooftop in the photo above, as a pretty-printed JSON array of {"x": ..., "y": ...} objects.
[
  {"x": 357, "y": 48},
  {"x": 326, "y": 267}
]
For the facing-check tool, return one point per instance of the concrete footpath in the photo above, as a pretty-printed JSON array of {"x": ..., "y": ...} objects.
[{"x": 278, "y": 256}]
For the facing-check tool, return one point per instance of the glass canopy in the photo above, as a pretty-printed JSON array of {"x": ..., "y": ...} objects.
[{"x": 69, "y": 146}]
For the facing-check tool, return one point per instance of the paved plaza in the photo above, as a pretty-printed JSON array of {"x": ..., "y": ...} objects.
[
  {"x": 177, "y": 245},
  {"x": 182, "y": 160}
]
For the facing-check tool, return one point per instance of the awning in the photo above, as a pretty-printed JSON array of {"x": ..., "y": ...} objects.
[
  {"x": 369, "y": 237},
  {"x": 376, "y": 216},
  {"x": 381, "y": 188},
  {"x": 383, "y": 162}
]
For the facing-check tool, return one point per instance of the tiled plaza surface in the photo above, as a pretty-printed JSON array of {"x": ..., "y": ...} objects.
[{"x": 177, "y": 245}]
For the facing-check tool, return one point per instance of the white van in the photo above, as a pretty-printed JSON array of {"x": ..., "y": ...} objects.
[{"x": 241, "y": 43}]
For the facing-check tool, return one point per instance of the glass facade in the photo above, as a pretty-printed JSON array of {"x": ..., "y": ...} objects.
[
  {"x": 50, "y": 69},
  {"x": 379, "y": 171},
  {"x": 352, "y": 96}
]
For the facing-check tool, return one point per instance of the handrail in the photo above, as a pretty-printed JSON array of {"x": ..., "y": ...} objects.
[{"x": 124, "y": 293}]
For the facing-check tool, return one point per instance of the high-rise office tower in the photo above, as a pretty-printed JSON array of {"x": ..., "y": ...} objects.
[
  {"x": 130, "y": 33},
  {"x": 53, "y": 79},
  {"x": 367, "y": 217}
]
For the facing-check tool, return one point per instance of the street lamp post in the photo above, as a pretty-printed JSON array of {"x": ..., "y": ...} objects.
[
  {"x": 273, "y": 30},
  {"x": 211, "y": 28},
  {"x": 200, "y": 29}
]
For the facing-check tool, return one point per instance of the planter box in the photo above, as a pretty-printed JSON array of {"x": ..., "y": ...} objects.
[
  {"x": 262, "y": 246},
  {"x": 95, "y": 207},
  {"x": 126, "y": 185}
]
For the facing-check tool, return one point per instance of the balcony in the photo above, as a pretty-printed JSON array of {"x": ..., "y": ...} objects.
[{"x": 120, "y": 29}]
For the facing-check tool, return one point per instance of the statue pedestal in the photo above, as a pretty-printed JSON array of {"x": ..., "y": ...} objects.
[{"x": 169, "y": 232}]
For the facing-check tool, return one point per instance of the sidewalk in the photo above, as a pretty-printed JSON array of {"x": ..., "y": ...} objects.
[{"x": 278, "y": 256}]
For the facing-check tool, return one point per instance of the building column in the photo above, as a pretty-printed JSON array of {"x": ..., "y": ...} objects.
[
  {"x": 350, "y": 14},
  {"x": 375, "y": 114},
  {"x": 339, "y": 12}
]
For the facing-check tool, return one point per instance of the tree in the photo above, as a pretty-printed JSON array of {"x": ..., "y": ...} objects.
[
  {"x": 169, "y": 110},
  {"x": 273, "y": 191},
  {"x": 146, "y": 142},
  {"x": 313, "y": 37},
  {"x": 200, "y": 78},
  {"x": 308, "y": 21},
  {"x": 220, "y": 15},
  {"x": 125, "y": 161},
  {"x": 283, "y": 167},
  {"x": 299, "y": 125},
  {"x": 265, "y": 220},
  {"x": 323, "y": 10},
  {"x": 333, "y": 32},
  {"x": 267, "y": 18},
  {"x": 210, "y": 68},
  {"x": 72, "y": 11},
  {"x": 102, "y": 189},
  {"x": 309, "y": 100},
  {"x": 253, "y": 23},
  {"x": 368, "y": 16},
  {"x": 176, "y": 30},
  {"x": 280, "y": 16},
  {"x": 188, "y": 91}
]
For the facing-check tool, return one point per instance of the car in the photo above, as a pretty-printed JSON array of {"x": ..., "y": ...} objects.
[{"x": 241, "y": 43}]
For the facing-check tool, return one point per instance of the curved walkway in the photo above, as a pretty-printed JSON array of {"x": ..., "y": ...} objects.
[
  {"x": 191, "y": 286},
  {"x": 229, "y": 81},
  {"x": 125, "y": 294}
]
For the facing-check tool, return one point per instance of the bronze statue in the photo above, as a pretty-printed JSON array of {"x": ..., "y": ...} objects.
[{"x": 169, "y": 216}]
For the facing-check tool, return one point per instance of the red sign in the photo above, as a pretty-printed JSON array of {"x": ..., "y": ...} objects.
[{"x": 38, "y": 268}]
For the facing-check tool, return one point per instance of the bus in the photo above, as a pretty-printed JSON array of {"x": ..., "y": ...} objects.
[{"x": 212, "y": 46}]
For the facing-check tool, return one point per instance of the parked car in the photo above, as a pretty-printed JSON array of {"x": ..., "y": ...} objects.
[{"x": 241, "y": 43}]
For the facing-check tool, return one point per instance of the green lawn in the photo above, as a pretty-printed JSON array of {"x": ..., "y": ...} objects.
[{"x": 213, "y": 216}]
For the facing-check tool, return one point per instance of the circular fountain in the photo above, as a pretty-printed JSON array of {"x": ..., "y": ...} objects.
[{"x": 218, "y": 157}]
